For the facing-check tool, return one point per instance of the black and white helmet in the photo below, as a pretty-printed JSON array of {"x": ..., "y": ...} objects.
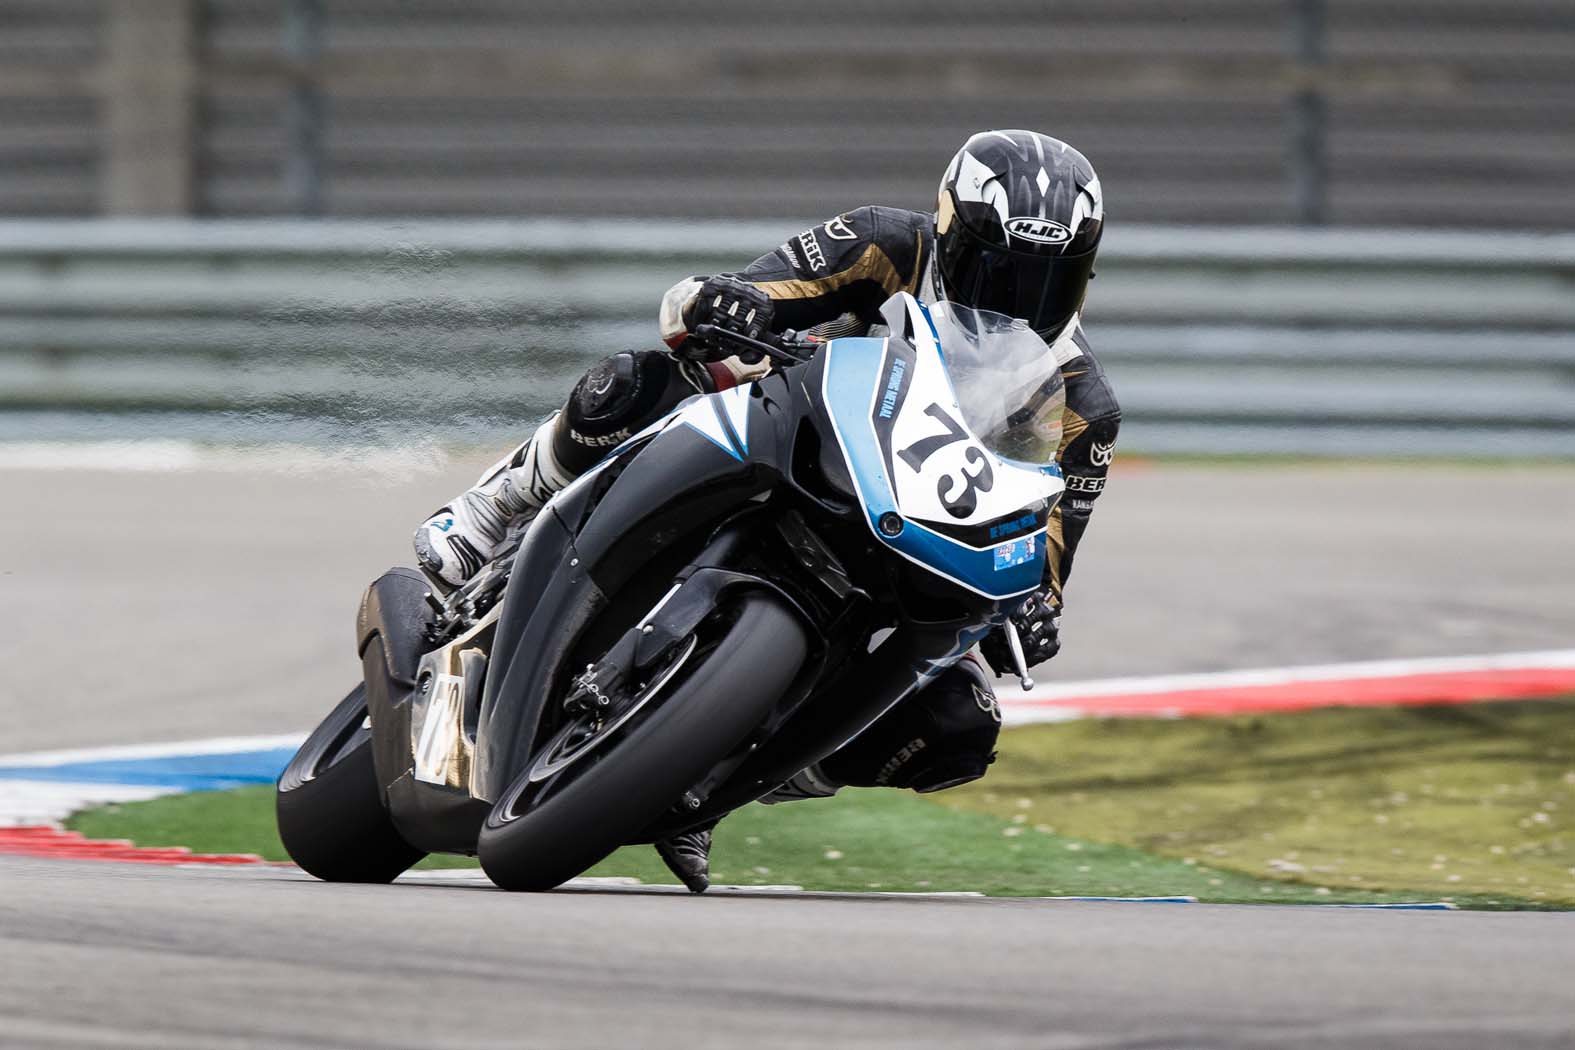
[{"x": 1017, "y": 226}]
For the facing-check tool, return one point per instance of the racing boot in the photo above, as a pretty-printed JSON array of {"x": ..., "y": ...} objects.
[
  {"x": 688, "y": 856},
  {"x": 810, "y": 782},
  {"x": 456, "y": 541}
]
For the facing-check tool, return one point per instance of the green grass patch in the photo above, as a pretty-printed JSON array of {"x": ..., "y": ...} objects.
[
  {"x": 1468, "y": 803},
  {"x": 859, "y": 841},
  {"x": 1472, "y": 802}
]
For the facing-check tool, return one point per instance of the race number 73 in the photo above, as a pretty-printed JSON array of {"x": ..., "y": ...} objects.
[{"x": 959, "y": 491}]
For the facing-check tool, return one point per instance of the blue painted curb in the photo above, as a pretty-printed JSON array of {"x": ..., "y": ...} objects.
[{"x": 183, "y": 772}]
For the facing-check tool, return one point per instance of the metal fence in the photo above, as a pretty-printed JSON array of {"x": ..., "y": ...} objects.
[
  {"x": 1217, "y": 341},
  {"x": 1389, "y": 112}
]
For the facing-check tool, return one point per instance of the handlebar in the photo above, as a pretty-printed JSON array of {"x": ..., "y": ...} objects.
[{"x": 787, "y": 348}]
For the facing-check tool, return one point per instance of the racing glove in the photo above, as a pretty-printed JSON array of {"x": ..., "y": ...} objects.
[
  {"x": 1038, "y": 623},
  {"x": 723, "y": 301}
]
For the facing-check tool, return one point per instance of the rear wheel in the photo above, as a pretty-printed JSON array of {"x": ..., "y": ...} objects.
[
  {"x": 331, "y": 815},
  {"x": 595, "y": 786}
]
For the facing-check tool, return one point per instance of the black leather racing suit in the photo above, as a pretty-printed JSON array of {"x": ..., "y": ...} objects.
[{"x": 831, "y": 280}]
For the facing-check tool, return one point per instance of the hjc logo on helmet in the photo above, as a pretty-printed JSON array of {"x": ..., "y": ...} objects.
[{"x": 1044, "y": 231}]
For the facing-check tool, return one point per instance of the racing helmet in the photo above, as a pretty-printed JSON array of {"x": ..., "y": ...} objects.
[{"x": 1017, "y": 225}]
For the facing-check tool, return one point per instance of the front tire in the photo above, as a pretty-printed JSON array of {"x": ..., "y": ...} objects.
[
  {"x": 638, "y": 777},
  {"x": 330, "y": 810}
]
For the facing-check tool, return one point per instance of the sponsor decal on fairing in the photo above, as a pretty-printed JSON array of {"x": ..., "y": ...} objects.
[{"x": 1017, "y": 552}]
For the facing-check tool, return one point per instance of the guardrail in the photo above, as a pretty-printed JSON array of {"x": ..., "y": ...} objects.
[{"x": 1284, "y": 340}]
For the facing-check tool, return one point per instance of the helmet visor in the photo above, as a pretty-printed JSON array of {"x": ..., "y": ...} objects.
[{"x": 1044, "y": 290}]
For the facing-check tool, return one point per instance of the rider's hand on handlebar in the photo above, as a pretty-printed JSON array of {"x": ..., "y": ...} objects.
[
  {"x": 1038, "y": 624},
  {"x": 725, "y": 302}
]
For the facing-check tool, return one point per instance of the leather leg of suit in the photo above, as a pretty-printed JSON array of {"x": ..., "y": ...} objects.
[
  {"x": 618, "y": 397},
  {"x": 940, "y": 737}
]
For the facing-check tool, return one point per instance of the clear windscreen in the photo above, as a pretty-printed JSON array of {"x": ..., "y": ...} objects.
[{"x": 1008, "y": 382}]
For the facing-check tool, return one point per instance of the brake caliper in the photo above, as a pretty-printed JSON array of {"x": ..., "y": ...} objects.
[{"x": 590, "y": 692}]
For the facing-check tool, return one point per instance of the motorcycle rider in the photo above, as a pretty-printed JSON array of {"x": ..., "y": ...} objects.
[{"x": 1017, "y": 225}]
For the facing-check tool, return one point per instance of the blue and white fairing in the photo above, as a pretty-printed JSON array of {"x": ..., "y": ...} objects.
[{"x": 950, "y": 427}]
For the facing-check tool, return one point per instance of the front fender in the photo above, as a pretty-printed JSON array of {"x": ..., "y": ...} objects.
[
  {"x": 695, "y": 597},
  {"x": 550, "y": 599}
]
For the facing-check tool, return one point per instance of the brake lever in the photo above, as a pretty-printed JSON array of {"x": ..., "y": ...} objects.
[
  {"x": 1015, "y": 644},
  {"x": 781, "y": 354}
]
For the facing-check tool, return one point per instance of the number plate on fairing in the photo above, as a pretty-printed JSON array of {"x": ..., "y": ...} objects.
[{"x": 943, "y": 474}]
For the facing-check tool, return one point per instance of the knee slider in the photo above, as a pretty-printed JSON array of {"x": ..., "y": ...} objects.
[
  {"x": 606, "y": 399},
  {"x": 616, "y": 398},
  {"x": 942, "y": 736}
]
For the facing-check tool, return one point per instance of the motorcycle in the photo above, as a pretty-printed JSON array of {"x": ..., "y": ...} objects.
[{"x": 728, "y": 597}]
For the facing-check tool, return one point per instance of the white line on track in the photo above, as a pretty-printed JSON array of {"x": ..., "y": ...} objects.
[
  {"x": 475, "y": 877},
  {"x": 226, "y": 745},
  {"x": 165, "y": 457}
]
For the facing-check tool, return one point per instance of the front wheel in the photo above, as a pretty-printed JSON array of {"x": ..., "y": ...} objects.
[
  {"x": 331, "y": 815},
  {"x": 571, "y": 808}
]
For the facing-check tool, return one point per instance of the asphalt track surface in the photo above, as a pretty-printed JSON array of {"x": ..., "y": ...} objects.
[
  {"x": 118, "y": 956},
  {"x": 147, "y": 607}
]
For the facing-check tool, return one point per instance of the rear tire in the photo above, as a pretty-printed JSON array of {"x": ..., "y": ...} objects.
[
  {"x": 726, "y": 695},
  {"x": 330, "y": 808}
]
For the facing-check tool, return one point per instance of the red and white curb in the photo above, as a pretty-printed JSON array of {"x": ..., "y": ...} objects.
[
  {"x": 56, "y": 844},
  {"x": 39, "y": 790},
  {"x": 1449, "y": 680}
]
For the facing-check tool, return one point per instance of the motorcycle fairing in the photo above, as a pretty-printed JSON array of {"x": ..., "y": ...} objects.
[
  {"x": 722, "y": 418},
  {"x": 885, "y": 393},
  {"x": 704, "y": 459}
]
